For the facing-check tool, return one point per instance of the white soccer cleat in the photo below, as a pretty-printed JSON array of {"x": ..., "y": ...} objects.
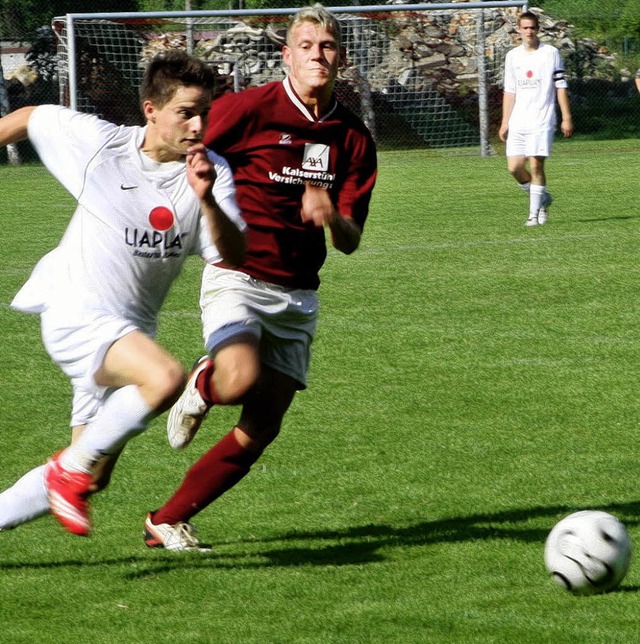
[
  {"x": 186, "y": 416},
  {"x": 543, "y": 213},
  {"x": 180, "y": 536},
  {"x": 532, "y": 221}
]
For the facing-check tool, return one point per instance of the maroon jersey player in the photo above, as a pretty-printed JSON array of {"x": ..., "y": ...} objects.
[
  {"x": 303, "y": 165},
  {"x": 275, "y": 146}
]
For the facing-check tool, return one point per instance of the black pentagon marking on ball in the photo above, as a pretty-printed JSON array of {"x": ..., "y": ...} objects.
[
  {"x": 609, "y": 538},
  {"x": 564, "y": 581}
]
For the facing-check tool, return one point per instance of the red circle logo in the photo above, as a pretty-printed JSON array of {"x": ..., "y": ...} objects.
[
  {"x": 161, "y": 218},
  {"x": 529, "y": 74}
]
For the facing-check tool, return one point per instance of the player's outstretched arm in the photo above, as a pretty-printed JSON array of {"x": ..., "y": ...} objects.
[
  {"x": 229, "y": 240},
  {"x": 13, "y": 126}
]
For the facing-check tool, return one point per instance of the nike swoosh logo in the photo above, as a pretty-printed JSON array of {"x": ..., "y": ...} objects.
[{"x": 123, "y": 187}]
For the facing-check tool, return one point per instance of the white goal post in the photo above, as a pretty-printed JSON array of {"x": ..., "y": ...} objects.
[{"x": 418, "y": 74}]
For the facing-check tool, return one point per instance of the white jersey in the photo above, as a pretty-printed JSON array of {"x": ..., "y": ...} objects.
[
  {"x": 135, "y": 223},
  {"x": 533, "y": 76}
]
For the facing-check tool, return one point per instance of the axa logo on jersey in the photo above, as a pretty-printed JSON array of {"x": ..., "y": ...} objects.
[
  {"x": 316, "y": 157},
  {"x": 314, "y": 168}
]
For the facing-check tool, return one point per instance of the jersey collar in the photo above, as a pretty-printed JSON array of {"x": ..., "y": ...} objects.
[{"x": 295, "y": 99}]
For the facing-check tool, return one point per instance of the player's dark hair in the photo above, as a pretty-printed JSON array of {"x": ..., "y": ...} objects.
[
  {"x": 168, "y": 71},
  {"x": 529, "y": 15}
]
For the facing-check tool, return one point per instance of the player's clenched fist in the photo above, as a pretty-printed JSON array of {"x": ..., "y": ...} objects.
[
  {"x": 316, "y": 206},
  {"x": 200, "y": 171}
]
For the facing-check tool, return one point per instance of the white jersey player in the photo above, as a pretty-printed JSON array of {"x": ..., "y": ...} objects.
[
  {"x": 534, "y": 77},
  {"x": 136, "y": 221},
  {"x": 147, "y": 198}
]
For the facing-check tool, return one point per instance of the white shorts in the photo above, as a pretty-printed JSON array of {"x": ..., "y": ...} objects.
[
  {"x": 77, "y": 342},
  {"x": 530, "y": 144},
  {"x": 283, "y": 320}
]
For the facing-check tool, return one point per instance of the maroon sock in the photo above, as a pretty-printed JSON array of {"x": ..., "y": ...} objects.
[
  {"x": 204, "y": 384},
  {"x": 217, "y": 471}
]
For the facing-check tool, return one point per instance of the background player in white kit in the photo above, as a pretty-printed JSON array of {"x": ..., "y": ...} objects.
[
  {"x": 533, "y": 78},
  {"x": 147, "y": 197}
]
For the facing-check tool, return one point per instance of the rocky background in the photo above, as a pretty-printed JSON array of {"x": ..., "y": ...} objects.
[
  {"x": 413, "y": 76},
  {"x": 410, "y": 74}
]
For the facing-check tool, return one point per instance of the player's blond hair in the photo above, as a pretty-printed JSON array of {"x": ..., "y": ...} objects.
[{"x": 319, "y": 16}]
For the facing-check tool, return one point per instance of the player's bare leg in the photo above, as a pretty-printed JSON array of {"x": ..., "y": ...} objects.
[
  {"x": 223, "y": 380},
  {"x": 147, "y": 381},
  {"x": 227, "y": 462},
  {"x": 540, "y": 199}
]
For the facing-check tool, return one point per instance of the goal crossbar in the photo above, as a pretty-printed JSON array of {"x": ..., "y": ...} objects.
[{"x": 408, "y": 95}]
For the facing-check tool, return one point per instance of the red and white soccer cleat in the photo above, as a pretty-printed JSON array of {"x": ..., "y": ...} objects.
[{"x": 68, "y": 492}]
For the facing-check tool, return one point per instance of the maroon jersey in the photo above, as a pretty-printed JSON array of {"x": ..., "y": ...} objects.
[{"x": 274, "y": 146}]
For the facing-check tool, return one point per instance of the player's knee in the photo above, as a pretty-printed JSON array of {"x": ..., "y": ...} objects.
[
  {"x": 517, "y": 172},
  {"x": 237, "y": 369},
  {"x": 234, "y": 376},
  {"x": 234, "y": 381}
]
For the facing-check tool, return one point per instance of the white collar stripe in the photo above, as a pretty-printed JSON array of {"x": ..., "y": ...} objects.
[{"x": 302, "y": 107}]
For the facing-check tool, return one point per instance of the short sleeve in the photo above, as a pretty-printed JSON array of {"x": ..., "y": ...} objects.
[
  {"x": 224, "y": 191},
  {"x": 66, "y": 141}
]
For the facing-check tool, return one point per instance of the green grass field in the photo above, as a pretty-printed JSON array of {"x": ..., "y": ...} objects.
[{"x": 473, "y": 381}]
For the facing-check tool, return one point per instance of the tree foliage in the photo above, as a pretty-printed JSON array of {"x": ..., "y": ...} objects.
[
  {"x": 181, "y": 5},
  {"x": 630, "y": 19},
  {"x": 599, "y": 19},
  {"x": 20, "y": 18},
  {"x": 593, "y": 18}
]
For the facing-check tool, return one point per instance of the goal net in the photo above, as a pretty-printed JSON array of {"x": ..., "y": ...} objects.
[{"x": 428, "y": 76}]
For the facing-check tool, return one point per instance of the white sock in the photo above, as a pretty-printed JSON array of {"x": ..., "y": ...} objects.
[
  {"x": 125, "y": 414},
  {"x": 535, "y": 199},
  {"x": 525, "y": 186},
  {"x": 25, "y": 500}
]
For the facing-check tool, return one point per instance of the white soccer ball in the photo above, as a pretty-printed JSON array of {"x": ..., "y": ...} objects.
[{"x": 588, "y": 552}]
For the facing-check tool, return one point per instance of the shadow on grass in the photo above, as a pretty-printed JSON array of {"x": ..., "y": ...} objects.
[
  {"x": 351, "y": 546},
  {"x": 361, "y": 544},
  {"x": 612, "y": 218}
]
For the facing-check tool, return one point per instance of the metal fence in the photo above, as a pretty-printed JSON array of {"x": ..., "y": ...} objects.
[{"x": 419, "y": 75}]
